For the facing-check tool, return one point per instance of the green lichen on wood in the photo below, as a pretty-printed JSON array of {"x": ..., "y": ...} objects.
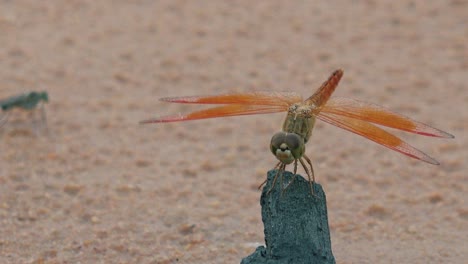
[{"x": 295, "y": 224}]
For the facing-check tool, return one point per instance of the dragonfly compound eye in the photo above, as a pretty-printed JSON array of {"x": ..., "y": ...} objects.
[
  {"x": 287, "y": 147},
  {"x": 293, "y": 141}
]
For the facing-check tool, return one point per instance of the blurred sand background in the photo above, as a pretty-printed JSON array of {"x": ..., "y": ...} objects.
[{"x": 100, "y": 188}]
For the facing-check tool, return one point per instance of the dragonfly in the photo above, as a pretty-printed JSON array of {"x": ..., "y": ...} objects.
[
  {"x": 27, "y": 101},
  {"x": 288, "y": 145}
]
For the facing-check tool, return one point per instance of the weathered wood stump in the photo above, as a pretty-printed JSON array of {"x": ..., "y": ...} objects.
[{"x": 295, "y": 224}]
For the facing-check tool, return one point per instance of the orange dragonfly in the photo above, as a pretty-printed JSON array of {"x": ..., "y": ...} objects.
[{"x": 289, "y": 145}]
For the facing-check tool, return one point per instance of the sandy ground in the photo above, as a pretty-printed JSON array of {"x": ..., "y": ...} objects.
[{"x": 99, "y": 188}]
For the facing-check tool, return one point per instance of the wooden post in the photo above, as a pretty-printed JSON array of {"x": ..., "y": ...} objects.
[{"x": 295, "y": 224}]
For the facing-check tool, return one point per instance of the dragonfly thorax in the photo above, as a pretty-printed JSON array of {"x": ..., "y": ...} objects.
[
  {"x": 301, "y": 110},
  {"x": 287, "y": 147},
  {"x": 300, "y": 120}
]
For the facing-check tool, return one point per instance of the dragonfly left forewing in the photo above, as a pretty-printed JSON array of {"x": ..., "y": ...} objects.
[
  {"x": 254, "y": 98},
  {"x": 232, "y": 105},
  {"x": 375, "y": 134},
  {"x": 220, "y": 111}
]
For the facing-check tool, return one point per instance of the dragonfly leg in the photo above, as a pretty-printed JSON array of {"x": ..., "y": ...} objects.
[
  {"x": 4, "y": 119},
  {"x": 278, "y": 172},
  {"x": 311, "y": 167},
  {"x": 294, "y": 176},
  {"x": 295, "y": 167},
  {"x": 35, "y": 122},
  {"x": 43, "y": 116},
  {"x": 265, "y": 181},
  {"x": 281, "y": 182},
  {"x": 311, "y": 181},
  {"x": 44, "y": 119}
]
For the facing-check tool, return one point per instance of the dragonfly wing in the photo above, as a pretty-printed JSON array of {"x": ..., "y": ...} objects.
[
  {"x": 221, "y": 111},
  {"x": 375, "y": 134},
  {"x": 255, "y": 98},
  {"x": 379, "y": 115}
]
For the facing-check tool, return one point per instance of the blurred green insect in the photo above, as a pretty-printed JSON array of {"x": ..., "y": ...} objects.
[{"x": 27, "y": 101}]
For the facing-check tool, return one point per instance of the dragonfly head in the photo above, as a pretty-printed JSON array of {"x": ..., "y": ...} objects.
[
  {"x": 287, "y": 147},
  {"x": 44, "y": 96}
]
